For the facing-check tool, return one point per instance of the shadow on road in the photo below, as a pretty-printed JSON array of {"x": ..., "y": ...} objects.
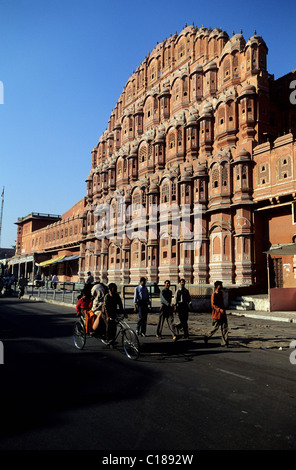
[{"x": 166, "y": 350}]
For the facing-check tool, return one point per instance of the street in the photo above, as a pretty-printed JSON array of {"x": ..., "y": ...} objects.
[{"x": 178, "y": 396}]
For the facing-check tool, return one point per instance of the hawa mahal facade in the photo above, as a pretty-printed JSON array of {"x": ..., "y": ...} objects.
[{"x": 202, "y": 124}]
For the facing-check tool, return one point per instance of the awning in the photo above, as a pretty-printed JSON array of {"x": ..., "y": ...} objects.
[
  {"x": 282, "y": 249},
  {"x": 51, "y": 261},
  {"x": 24, "y": 259},
  {"x": 70, "y": 258}
]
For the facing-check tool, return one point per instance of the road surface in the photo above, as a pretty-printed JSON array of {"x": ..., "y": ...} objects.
[{"x": 184, "y": 396}]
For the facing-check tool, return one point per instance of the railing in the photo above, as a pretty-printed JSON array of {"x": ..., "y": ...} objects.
[{"x": 67, "y": 294}]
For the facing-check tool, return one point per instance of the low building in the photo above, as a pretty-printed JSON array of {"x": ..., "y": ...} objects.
[{"x": 49, "y": 244}]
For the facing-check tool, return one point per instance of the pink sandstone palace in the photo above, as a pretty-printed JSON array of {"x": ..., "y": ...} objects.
[{"x": 200, "y": 123}]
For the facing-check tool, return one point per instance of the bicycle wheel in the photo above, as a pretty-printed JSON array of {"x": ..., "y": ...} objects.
[
  {"x": 79, "y": 335},
  {"x": 130, "y": 343}
]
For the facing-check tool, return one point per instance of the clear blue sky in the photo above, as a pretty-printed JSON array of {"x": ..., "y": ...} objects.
[{"x": 64, "y": 63}]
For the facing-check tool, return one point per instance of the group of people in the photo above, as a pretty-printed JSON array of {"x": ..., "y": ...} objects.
[
  {"x": 169, "y": 305},
  {"x": 101, "y": 306}
]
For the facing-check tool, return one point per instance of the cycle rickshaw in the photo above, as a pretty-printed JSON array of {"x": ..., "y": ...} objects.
[{"x": 129, "y": 338}]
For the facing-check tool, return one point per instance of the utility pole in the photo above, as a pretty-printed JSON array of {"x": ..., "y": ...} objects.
[{"x": 1, "y": 216}]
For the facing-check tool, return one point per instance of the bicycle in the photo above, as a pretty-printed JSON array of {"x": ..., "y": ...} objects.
[{"x": 129, "y": 338}]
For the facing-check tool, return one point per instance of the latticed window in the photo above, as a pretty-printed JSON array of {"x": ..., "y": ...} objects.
[
  {"x": 284, "y": 168},
  {"x": 144, "y": 199},
  {"x": 143, "y": 154},
  {"x": 150, "y": 150},
  {"x": 227, "y": 70},
  {"x": 181, "y": 50},
  {"x": 177, "y": 92},
  {"x": 179, "y": 137},
  {"x": 136, "y": 200},
  {"x": 165, "y": 193},
  {"x": 171, "y": 141},
  {"x": 185, "y": 87},
  {"x": 174, "y": 191},
  {"x": 224, "y": 176},
  {"x": 215, "y": 178},
  {"x": 235, "y": 66},
  {"x": 113, "y": 210},
  {"x": 263, "y": 173}
]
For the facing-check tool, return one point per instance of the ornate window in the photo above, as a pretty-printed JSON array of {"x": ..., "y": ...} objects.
[
  {"x": 171, "y": 140},
  {"x": 136, "y": 201},
  {"x": 179, "y": 137},
  {"x": 143, "y": 154},
  {"x": 284, "y": 168},
  {"x": 165, "y": 193},
  {"x": 215, "y": 178},
  {"x": 224, "y": 176},
  {"x": 174, "y": 191},
  {"x": 150, "y": 151},
  {"x": 263, "y": 173}
]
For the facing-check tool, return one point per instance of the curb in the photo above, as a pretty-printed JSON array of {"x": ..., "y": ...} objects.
[{"x": 284, "y": 318}]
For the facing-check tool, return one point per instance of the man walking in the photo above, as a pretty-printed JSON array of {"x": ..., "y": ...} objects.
[
  {"x": 182, "y": 300},
  {"x": 166, "y": 311},
  {"x": 141, "y": 301},
  {"x": 219, "y": 318}
]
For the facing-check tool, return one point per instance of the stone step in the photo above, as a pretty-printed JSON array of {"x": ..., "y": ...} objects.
[{"x": 240, "y": 304}]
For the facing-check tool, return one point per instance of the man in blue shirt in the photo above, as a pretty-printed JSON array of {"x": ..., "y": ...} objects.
[{"x": 141, "y": 301}]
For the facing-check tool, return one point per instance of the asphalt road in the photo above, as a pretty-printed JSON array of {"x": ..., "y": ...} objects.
[{"x": 184, "y": 396}]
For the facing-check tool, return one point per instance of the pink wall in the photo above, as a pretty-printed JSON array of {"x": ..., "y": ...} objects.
[{"x": 283, "y": 299}]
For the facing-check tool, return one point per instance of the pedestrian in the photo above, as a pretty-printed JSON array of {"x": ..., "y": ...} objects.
[
  {"x": 112, "y": 303},
  {"x": 90, "y": 278},
  {"x": 182, "y": 301},
  {"x": 166, "y": 311},
  {"x": 22, "y": 282},
  {"x": 219, "y": 318},
  {"x": 88, "y": 284},
  {"x": 54, "y": 281},
  {"x": 141, "y": 302}
]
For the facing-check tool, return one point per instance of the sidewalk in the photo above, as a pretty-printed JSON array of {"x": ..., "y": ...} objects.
[
  {"x": 288, "y": 316},
  {"x": 68, "y": 299}
]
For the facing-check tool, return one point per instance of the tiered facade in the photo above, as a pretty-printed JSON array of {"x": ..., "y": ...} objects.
[
  {"x": 183, "y": 132},
  {"x": 201, "y": 130}
]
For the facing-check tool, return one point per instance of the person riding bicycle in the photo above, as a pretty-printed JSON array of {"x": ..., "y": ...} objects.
[{"x": 112, "y": 304}]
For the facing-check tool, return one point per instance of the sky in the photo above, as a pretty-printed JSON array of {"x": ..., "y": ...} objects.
[{"x": 63, "y": 66}]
